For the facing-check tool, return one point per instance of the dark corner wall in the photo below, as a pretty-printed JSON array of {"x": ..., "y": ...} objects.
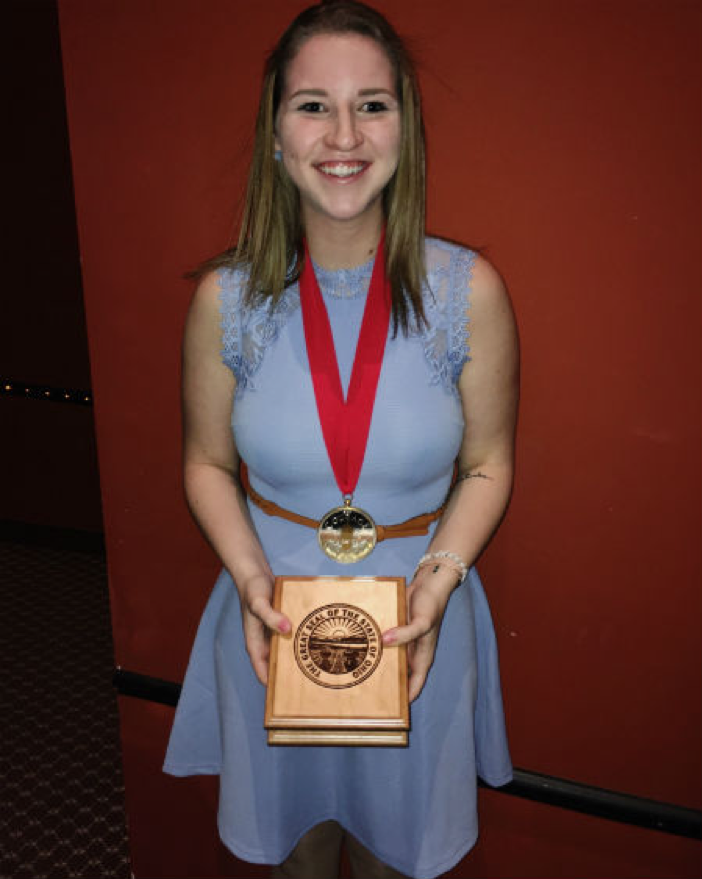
[{"x": 47, "y": 447}]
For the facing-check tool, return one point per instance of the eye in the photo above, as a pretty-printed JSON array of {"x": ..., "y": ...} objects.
[
  {"x": 374, "y": 107},
  {"x": 311, "y": 107}
]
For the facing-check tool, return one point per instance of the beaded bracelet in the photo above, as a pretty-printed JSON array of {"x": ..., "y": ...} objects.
[{"x": 444, "y": 557}]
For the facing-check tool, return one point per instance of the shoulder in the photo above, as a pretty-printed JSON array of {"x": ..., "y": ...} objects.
[
  {"x": 494, "y": 340},
  {"x": 467, "y": 271},
  {"x": 202, "y": 339},
  {"x": 449, "y": 272},
  {"x": 488, "y": 289},
  {"x": 245, "y": 327},
  {"x": 212, "y": 324},
  {"x": 204, "y": 304},
  {"x": 217, "y": 287},
  {"x": 219, "y": 297},
  {"x": 490, "y": 305},
  {"x": 443, "y": 256},
  {"x": 466, "y": 300}
]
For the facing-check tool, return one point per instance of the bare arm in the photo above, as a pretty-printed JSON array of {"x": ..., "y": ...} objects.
[
  {"x": 489, "y": 388},
  {"x": 211, "y": 462}
]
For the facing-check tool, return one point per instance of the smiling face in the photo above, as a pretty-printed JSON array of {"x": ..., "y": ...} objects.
[{"x": 338, "y": 128}]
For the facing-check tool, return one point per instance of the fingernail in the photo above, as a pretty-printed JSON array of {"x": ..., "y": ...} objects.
[
  {"x": 389, "y": 638},
  {"x": 284, "y": 627}
]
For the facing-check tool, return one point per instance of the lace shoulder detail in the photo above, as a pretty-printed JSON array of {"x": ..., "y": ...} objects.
[
  {"x": 248, "y": 331},
  {"x": 447, "y": 304}
]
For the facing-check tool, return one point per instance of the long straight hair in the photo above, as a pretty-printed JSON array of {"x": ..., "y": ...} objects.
[{"x": 270, "y": 241}]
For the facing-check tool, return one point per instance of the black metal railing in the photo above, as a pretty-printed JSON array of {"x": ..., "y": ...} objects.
[{"x": 548, "y": 789}]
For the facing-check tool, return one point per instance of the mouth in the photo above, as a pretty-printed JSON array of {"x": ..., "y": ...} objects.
[{"x": 342, "y": 170}]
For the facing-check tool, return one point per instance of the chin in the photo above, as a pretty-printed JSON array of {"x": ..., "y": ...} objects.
[{"x": 349, "y": 212}]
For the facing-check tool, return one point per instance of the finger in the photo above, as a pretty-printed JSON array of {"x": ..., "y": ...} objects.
[
  {"x": 260, "y": 667},
  {"x": 403, "y": 634},
  {"x": 257, "y": 647},
  {"x": 261, "y": 608},
  {"x": 416, "y": 685},
  {"x": 420, "y": 662}
]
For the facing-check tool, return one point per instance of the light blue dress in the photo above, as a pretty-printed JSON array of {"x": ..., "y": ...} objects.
[{"x": 414, "y": 807}]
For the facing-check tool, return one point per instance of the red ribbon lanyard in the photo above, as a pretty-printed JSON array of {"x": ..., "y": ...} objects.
[{"x": 346, "y": 424}]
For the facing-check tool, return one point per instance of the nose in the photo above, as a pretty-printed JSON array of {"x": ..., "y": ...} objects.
[{"x": 344, "y": 133}]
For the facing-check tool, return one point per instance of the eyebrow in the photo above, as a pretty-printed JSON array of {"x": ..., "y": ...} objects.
[{"x": 321, "y": 93}]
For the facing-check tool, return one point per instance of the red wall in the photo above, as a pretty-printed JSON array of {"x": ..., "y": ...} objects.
[{"x": 565, "y": 139}]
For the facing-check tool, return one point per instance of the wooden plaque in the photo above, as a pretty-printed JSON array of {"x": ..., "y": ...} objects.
[{"x": 331, "y": 680}]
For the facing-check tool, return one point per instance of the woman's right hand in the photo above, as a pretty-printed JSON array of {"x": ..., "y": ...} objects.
[{"x": 259, "y": 620}]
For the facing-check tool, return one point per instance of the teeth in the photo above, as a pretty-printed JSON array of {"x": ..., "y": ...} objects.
[{"x": 341, "y": 170}]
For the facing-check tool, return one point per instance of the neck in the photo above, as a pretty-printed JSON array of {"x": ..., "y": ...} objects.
[{"x": 343, "y": 245}]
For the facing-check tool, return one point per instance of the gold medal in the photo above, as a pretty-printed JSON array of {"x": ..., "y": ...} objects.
[{"x": 346, "y": 534}]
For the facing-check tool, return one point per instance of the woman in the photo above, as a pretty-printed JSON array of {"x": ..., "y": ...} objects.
[{"x": 336, "y": 199}]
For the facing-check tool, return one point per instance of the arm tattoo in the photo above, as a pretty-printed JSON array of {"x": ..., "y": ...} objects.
[{"x": 472, "y": 474}]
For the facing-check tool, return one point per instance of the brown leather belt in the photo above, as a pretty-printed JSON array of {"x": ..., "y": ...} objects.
[{"x": 414, "y": 527}]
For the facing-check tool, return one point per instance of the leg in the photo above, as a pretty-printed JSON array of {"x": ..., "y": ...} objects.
[
  {"x": 316, "y": 856},
  {"x": 365, "y": 865}
]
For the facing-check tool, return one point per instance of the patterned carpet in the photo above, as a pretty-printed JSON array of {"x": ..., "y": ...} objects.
[{"x": 62, "y": 800}]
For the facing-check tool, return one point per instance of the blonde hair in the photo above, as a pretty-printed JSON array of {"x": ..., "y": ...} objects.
[{"x": 271, "y": 234}]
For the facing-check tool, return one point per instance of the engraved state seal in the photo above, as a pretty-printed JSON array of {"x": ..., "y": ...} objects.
[{"x": 338, "y": 645}]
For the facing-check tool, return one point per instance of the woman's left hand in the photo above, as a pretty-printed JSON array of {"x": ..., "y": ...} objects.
[{"x": 427, "y": 597}]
